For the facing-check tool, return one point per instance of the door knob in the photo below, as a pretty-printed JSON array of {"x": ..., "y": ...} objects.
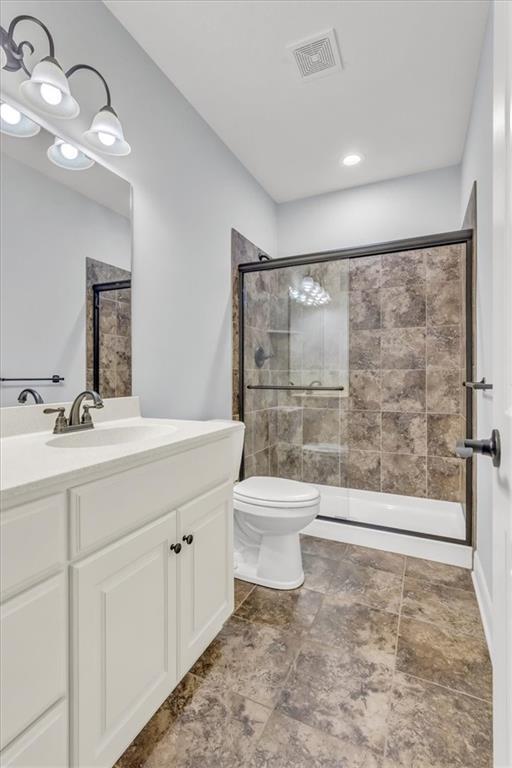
[
  {"x": 189, "y": 539},
  {"x": 491, "y": 447},
  {"x": 176, "y": 548}
]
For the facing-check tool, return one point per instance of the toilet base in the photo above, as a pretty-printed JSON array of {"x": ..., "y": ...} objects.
[
  {"x": 246, "y": 575},
  {"x": 275, "y": 561}
]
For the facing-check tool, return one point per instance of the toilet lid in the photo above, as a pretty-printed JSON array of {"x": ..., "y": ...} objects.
[{"x": 275, "y": 489}]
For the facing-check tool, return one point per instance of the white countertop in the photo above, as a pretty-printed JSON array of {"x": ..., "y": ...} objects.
[{"x": 31, "y": 466}]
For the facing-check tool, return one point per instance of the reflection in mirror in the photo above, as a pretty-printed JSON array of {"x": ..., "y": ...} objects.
[{"x": 65, "y": 276}]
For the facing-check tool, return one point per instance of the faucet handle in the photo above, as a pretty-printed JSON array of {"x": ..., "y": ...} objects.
[
  {"x": 60, "y": 422},
  {"x": 61, "y": 409}
]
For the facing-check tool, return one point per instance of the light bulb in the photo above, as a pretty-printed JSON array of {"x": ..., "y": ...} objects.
[
  {"x": 106, "y": 138},
  {"x": 51, "y": 94},
  {"x": 9, "y": 114},
  {"x": 68, "y": 151},
  {"x": 352, "y": 159}
]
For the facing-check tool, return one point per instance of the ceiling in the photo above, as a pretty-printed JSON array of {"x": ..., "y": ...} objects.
[{"x": 402, "y": 97}]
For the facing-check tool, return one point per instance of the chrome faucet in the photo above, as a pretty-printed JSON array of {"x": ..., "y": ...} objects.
[
  {"x": 22, "y": 397},
  {"x": 75, "y": 423}
]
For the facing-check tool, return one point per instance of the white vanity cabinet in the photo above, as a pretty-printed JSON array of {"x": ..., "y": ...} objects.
[{"x": 108, "y": 611}]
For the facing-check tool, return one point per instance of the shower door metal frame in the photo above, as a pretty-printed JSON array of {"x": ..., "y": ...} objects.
[{"x": 462, "y": 236}]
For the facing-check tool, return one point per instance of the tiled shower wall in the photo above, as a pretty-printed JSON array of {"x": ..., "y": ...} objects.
[{"x": 394, "y": 428}]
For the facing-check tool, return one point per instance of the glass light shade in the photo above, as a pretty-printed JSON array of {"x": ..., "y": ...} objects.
[
  {"x": 48, "y": 90},
  {"x": 106, "y": 134},
  {"x": 15, "y": 123},
  {"x": 67, "y": 156}
]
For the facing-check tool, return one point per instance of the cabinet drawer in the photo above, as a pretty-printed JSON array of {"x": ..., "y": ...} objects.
[
  {"x": 32, "y": 655},
  {"x": 108, "y": 508},
  {"x": 32, "y": 541},
  {"x": 45, "y": 745}
]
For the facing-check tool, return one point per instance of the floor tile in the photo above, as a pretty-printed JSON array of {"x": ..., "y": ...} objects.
[
  {"x": 342, "y": 623},
  {"x": 287, "y": 743},
  {"x": 250, "y": 659},
  {"x": 431, "y": 727},
  {"x": 198, "y": 726},
  {"x": 376, "y": 558},
  {"x": 340, "y": 692},
  {"x": 449, "y": 575},
  {"x": 242, "y": 589},
  {"x": 322, "y": 547},
  {"x": 294, "y": 609},
  {"x": 373, "y": 587},
  {"x": 453, "y": 609},
  {"x": 318, "y": 572},
  {"x": 454, "y": 660}
]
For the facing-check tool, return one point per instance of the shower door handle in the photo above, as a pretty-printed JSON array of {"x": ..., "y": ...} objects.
[{"x": 491, "y": 447}]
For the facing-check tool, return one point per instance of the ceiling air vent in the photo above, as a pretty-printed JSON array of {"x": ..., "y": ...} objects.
[{"x": 317, "y": 56}]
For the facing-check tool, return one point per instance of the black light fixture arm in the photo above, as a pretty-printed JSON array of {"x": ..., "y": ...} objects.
[
  {"x": 77, "y": 67},
  {"x": 15, "y": 50}
]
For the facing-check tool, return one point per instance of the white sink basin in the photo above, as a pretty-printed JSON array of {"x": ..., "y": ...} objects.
[{"x": 98, "y": 438}]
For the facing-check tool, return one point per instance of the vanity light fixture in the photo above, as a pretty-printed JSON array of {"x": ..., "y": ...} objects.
[
  {"x": 48, "y": 91},
  {"x": 353, "y": 159},
  {"x": 15, "y": 123},
  {"x": 67, "y": 156}
]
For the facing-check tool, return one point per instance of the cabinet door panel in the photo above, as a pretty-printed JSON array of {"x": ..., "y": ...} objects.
[
  {"x": 44, "y": 745},
  {"x": 206, "y": 571},
  {"x": 124, "y": 640}
]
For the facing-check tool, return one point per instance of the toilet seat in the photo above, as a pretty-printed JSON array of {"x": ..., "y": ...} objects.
[{"x": 276, "y": 492}]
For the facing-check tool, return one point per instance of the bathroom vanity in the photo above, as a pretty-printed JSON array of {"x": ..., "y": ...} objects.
[{"x": 116, "y": 573}]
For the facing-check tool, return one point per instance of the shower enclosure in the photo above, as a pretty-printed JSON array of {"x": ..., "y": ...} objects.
[{"x": 352, "y": 367}]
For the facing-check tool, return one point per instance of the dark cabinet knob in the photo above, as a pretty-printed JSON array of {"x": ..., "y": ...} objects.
[
  {"x": 176, "y": 548},
  {"x": 189, "y": 539}
]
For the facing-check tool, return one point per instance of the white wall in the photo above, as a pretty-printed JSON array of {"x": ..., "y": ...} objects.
[
  {"x": 422, "y": 204},
  {"x": 189, "y": 190},
  {"x": 48, "y": 230},
  {"x": 477, "y": 166}
]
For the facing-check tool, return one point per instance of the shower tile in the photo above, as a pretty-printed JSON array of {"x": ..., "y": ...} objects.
[
  {"x": 404, "y": 474},
  {"x": 257, "y": 310},
  {"x": 405, "y": 268},
  {"x": 294, "y": 609},
  {"x": 403, "y": 390},
  {"x": 321, "y": 467},
  {"x": 368, "y": 586},
  {"x": 321, "y": 426},
  {"x": 365, "y": 273},
  {"x": 261, "y": 462},
  {"x": 404, "y": 433},
  {"x": 272, "y": 426},
  {"x": 444, "y": 347},
  {"x": 318, "y": 572},
  {"x": 289, "y": 425},
  {"x": 444, "y": 391},
  {"x": 444, "y": 303},
  {"x": 445, "y": 478},
  {"x": 376, "y": 558},
  {"x": 433, "y": 727},
  {"x": 249, "y": 466},
  {"x": 279, "y": 319},
  {"x": 364, "y": 430},
  {"x": 364, "y": 350},
  {"x": 312, "y": 545},
  {"x": 454, "y": 610},
  {"x": 449, "y": 575},
  {"x": 365, "y": 390},
  {"x": 455, "y": 661},
  {"x": 259, "y": 427},
  {"x": 444, "y": 263},
  {"x": 403, "y": 348},
  {"x": 273, "y": 461},
  {"x": 403, "y": 306},
  {"x": 443, "y": 432},
  {"x": 364, "y": 310},
  {"x": 347, "y": 625},
  {"x": 288, "y": 743},
  {"x": 364, "y": 470},
  {"x": 339, "y": 692},
  {"x": 252, "y": 660},
  {"x": 289, "y": 459}
]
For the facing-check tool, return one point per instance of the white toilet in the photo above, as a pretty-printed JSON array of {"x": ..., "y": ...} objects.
[{"x": 269, "y": 513}]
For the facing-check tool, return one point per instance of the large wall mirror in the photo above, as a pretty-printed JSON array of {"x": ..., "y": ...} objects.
[{"x": 65, "y": 276}]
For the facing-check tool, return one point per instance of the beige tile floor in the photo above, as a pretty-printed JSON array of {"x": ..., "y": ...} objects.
[{"x": 378, "y": 661}]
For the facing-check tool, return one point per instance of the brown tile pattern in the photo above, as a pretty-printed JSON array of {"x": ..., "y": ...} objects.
[
  {"x": 115, "y": 331},
  {"x": 319, "y": 678}
]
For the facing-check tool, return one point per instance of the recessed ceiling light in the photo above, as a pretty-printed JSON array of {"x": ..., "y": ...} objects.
[{"x": 352, "y": 159}]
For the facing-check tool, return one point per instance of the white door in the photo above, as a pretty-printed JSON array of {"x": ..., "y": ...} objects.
[
  {"x": 206, "y": 571},
  {"x": 123, "y": 640},
  {"x": 502, "y": 374}
]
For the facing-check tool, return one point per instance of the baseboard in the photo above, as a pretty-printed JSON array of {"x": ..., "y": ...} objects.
[{"x": 484, "y": 600}]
